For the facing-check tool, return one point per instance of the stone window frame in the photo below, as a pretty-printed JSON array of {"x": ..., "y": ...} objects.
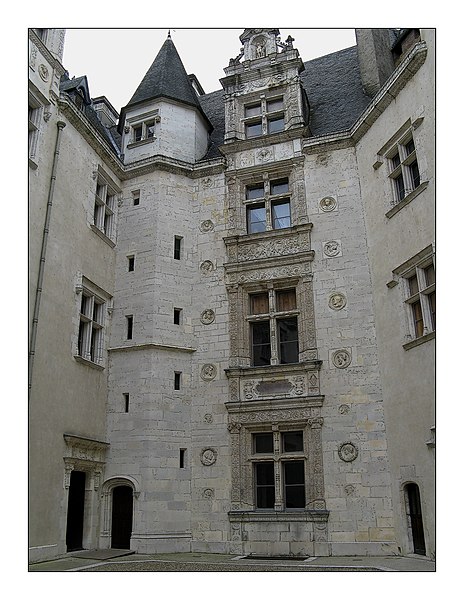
[
  {"x": 264, "y": 116},
  {"x": 106, "y": 198},
  {"x": 397, "y": 147},
  {"x": 142, "y": 123},
  {"x": 35, "y": 110},
  {"x": 416, "y": 267},
  {"x": 87, "y": 323},
  {"x": 283, "y": 416}
]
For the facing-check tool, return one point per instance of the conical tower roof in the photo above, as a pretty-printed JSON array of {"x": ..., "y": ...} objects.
[{"x": 166, "y": 78}]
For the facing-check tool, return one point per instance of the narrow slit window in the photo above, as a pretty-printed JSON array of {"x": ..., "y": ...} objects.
[
  {"x": 177, "y": 247},
  {"x": 177, "y": 378},
  {"x": 130, "y": 326},
  {"x": 182, "y": 453},
  {"x": 177, "y": 316},
  {"x": 136, "y": 197},
  {"x": 131, "y": 263},
  {"x": 126, "y": 402}
]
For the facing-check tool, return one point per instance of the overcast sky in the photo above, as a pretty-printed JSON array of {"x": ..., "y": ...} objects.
[{"x": 116, "y": 60}]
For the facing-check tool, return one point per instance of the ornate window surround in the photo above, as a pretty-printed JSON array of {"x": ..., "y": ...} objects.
[{"x": 279, "y": 416}]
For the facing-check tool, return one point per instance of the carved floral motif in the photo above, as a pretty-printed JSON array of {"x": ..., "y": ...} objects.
[
  {"x": 341, "y": 359},
  {"x": 208, "y": 372}
]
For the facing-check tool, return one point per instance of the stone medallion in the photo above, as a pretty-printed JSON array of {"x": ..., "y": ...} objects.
[
  {"x": 208, "y": 456},
  {"x": 332, "y": 248},
  {"x": 347, "y": 452},
  {"x": 207, "y": 316},
  {"x": 328, "y": 204},
  {"x": 206, "y": 226},
  {"x": 341, "y": 359},
  {"x": 337, "y": 301},
  {"x": 344, "y": 409},
  {"x": 206, "y": 267},
  {"x": 208, "y": 372}
]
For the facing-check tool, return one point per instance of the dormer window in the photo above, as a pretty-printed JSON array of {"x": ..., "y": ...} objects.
[
  {"x": 266, "y": 116},
  {"x": 143, "y": 131}
]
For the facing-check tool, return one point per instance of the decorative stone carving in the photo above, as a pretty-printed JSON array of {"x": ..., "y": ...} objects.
[
  {"x": 206, "y": 267},
  {"x": 33, "y": 56},
  {"x": 341, "y": 359},
  {"x": 344, "y": 409},
  {"x": 234, "y": 427},
  {"x": 264, "y": 155},
  {"x": 299, "y": 384},
  {"x": 43, "y": 72},
  {"x": 208, "y": 418},
  {"x": 208, "y": 372},
  {"x": 348, "y": 452},
  {"x": 46, "y": 116},
  {"x": 208, "y": 493},
  {"x": 337, "y": 301},
  {"x": 248, "y": 390},
  {"x": 328, "y": 204},
  {"x": 207, "y": 316},
  {"x": 208, "y": 456},
  {"x": 349, "y": 489},
  {"x": 273, "y": 387},
  {"x": 206, "y": 226},
  {"x": 207, "y": 182},
  {"x": 332, "y": 248}
]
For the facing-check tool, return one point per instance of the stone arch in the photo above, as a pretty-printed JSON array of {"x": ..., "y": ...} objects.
[{"x": 107, "y": 503}]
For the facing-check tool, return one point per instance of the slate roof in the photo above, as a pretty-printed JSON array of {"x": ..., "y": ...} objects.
[{"x": 165, "y": 78}]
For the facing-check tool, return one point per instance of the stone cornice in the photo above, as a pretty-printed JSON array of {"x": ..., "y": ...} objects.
[
  {"x": 52, "y": 60},
  {"x": 151, "y": 346}
]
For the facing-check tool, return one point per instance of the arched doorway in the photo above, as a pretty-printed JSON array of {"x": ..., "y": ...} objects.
[
  {"x": 121, "y": 516},
  {"x": 414, "y": 511}
]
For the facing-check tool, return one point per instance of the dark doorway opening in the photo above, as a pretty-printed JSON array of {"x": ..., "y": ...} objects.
[
  {"x": 415, "y": 516},
  {"x": 75, "y": 518},
  {"x": 121, "y": 520}
]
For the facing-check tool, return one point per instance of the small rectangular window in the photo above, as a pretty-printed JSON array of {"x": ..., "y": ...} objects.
[
  {"x": 253, "y": 110},
  {"x": 130, "y": 263},
  {"x": 177, "y": 316},
  {"x": 130, "y": 325},
  {"x": 288, "y": 340},
  {"x": 294, "y": 488},
  {"x": 138, "y": 132},
  {"x": 281, "y": 214},
  {"x": 177, "y": 378},
  {"x": 259, "y": 304},
  {"x": 255, "y": 191},
  {"x": 275, "y": 124},
  {"x": 275, "y": 104},
  {"x": 126, "y": 403},
  {"x": 261, "y": 344},
  {"x": 182, "y": 453},
  {"x": 177, "y": 247},
  {"x": 254, "y": 129},
  {"x": 292, "y": 441},
  {"x": 256, "y": 218},
  {"x": 279, "y": 186},
  {"x": 285, "y": 300},
  {"x": 136, "y": 197}
]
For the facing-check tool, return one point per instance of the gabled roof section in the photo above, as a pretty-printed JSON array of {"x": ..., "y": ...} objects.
[{"x": 166, "y": 78}]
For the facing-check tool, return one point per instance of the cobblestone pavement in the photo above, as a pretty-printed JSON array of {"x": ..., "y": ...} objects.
[{"x": 201, "y": 562}]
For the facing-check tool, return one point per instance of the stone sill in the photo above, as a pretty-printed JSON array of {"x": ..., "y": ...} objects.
[
  {"x": 255, "y": 516},
  {"x": 287, "y": 369},
  {"x": 101, "y": 235},
  {"x": 407, "y": 199},
  {"x": 140, "y": 143},
  {"x": 418, "y": 341},
  {"x": 89, "y": 363}
]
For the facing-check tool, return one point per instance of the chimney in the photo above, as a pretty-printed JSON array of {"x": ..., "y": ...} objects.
[{"x": 375, "y": 58}]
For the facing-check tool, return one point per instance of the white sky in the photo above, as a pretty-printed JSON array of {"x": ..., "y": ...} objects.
[{"x": 116, "y": 60}]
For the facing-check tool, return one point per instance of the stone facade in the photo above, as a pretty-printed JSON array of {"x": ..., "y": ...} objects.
[{"x": 240, "y": 371}]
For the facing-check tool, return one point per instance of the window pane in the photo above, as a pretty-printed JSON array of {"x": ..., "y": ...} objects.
[
  {"x": 399, "y": 184},
  {"x": 253, "y": 110},
  {"x": 261, "y": 344},
  {"x": 279, "y": 187},
  {"x": 294, "y": 484},
  {"x": 286, "y": 300},
  {"x": 418, "y": 319},
  {"x": 264, "y": 442},
  {"x": 150, "y": 129},
  {"x": 137, "y": 133},
  {"x": 288, "y": 340},
  {"x": 259, "y": 304},
  {"x": 254, "y": 129},
  {"x": 274, "y": 125},
  {"x": 409, "y": 147},
  {"x": 431, "y": 299},
  {"x": 395, "y": 161},
  {"x": 255, "y": 191},
  {"x": 292, "y": 441},
  {"x": 281, "y": 214},
  {"x": 414, "y": 170},
  {"x": 429, "y": 275},
  {"x": 256, "y": 219},
  {"x": 276, "y": 104},
  {"x": 264, "y": 485},
  {"x": 413, "y": 285}
]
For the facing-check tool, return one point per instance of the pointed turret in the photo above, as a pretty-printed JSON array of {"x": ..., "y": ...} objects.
[{"x": 165, "y": 100}]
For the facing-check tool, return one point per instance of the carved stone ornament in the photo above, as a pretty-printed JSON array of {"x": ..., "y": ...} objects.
[
  {"x": 208, "y": 456},
  {"x": 208, "y": 418},
  {"x": 332, "y": 248},
  {"x": 207, "y": 316},
  {"x": 348, "y": 452},
  {"x": 43, "y": 72},
  {"x": 208, "y": 372},
  {"x": 208, "y": 493},
  {"x": 328, "y": 204},
  {"x": 206, "y": 267},
  {"x": 349, "y": 489},
  {"x": 337, "y": 301},
  {"x": 207, "y": 182},
  {"x": 344, "y": 409},
  {"x": 341, "y": 359},
  {"x": 207, "y": 226},
  {"x": 264, "y": 155}
]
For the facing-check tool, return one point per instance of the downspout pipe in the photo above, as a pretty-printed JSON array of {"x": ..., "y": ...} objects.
[{"x": 38, "y": 293}]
